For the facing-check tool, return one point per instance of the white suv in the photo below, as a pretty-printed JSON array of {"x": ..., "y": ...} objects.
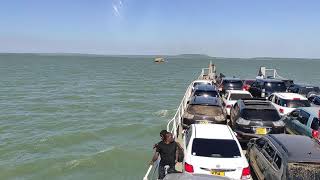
[
  {"x": 214, "y": 149},
  {"x": 231, "y": 97},
  {"x": 287, "y": 102}
]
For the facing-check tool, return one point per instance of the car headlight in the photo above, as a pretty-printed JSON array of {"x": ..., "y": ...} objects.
[
  {"x": 219, "y": 118},
  {"x": 188, "y": 116},
  {"x": 242, "y": 121},
  {"x": 278, "y": 123}
]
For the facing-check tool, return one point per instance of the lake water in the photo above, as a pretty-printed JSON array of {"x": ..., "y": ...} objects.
[{"x": 96, "y": 117}]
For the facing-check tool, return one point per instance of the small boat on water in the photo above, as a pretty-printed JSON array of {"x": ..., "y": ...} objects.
[{"x": 159, "y": 60}]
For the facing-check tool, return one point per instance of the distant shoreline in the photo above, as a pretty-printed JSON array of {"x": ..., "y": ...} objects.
[{"x": 183, "y": 56}]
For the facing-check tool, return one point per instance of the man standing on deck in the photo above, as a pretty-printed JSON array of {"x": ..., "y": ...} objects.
[{"x": 168, "y": 150}]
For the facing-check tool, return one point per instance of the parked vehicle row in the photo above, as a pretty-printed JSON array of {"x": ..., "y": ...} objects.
[{"x": 260, "y": 113}]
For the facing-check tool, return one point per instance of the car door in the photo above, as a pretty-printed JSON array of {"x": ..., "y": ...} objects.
[
  {"x": 276, "y": 103},
  {"x": 301, "y": 127},
  {"x": 255, "y": 157},
  {"x": 268, "y": 154},
  {"x": 291, "y": 121}
]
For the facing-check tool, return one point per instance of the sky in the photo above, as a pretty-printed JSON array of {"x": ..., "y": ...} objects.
[{"x": 220, "y": 28}]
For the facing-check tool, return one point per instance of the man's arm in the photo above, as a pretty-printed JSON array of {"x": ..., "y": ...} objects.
[
  {"x": 179, "y": 145},
  {"x": 154, "y": 158},
  {"x": 177, "y": 154}
]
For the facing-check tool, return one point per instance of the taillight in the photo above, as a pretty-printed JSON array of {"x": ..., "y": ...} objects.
[
  {"x": 281, "y": 110},
  {"x": 296, "y": 98},
  {"x": 228, "y": 106},
  {"x": 315, "y": 134},
  {"x": 188, "y": 167},
  {"x": 246, "y": 173},
  {"x": 246, "y": 87}
]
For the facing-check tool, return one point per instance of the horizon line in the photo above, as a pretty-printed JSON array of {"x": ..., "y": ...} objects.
[{"x": 166, "y": 55}]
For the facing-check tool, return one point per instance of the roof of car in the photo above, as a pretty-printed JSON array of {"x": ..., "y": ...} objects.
[
  {"x": 213, "y": 131},
  {"x": 204, "y": 81},
  {"x": 205, "y": 87},
  {"x": 205, "y": 100},
  {"x": 286, "y": 95},
  {"x": 231, "y": 79},
  {"x": 298, "y": 148},
  {"x": 238, "y": 92},
  {"x": 304, "y": 85},
  {"x": 314, "y": 111},
  {"x": 255, "y": 103},
  {"x": 270, "y": 80}
]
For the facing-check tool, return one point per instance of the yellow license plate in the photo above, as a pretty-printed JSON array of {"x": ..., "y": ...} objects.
[
  {"x": 217, "y": 173},
  {"x": 204, "y": 122},
  {"x": 261, "y": 131}
]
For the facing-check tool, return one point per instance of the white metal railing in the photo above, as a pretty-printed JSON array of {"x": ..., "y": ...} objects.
[{"x": 174, "y": 123}]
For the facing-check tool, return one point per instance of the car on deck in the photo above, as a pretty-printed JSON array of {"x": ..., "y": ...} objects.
[
  {"x": 228, "y": 83},
  {"x": 205, "y": 90},
  {"x": 204, "y": 109},
  {"x": 251, "y": 118},
  {"x": 201, "y": 82},
  {"x": 231, "y": 97},
  {"x": 304, "y": 89},
  {"x": 265, "y": 87},
  {"x": 283, "y": 156},
  {"x": 287, "y": 102},
  {"x": 303, "y": 121},
  {"x": 214, "y": 149},
  {"x": 314, "y": 100}
]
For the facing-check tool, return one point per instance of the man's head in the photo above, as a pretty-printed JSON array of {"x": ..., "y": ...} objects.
[
  {"x": 168, "y": 137},
  {"x": 163, "y": 133}
]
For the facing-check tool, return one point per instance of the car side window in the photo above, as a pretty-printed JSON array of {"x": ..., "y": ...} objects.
[
  {"x": 269, "y": 152},
  {"x": 303, "y": 117},
  {"x": 276, "y": 100},
  {"x": 315, "y": 124},
  {"x": 260, "y": 143},
  {"x": 316, "y": 101},
  {"x": 294, "y": 114},
  {"x": 270, "y": 98},
  {"x": 236, "y": 112},
  {"x": 277, "y": 161}
]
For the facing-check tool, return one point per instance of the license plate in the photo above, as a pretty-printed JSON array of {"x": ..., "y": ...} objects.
[
  {"x": 204, "y": 122},
  {"x": 217, "y": 173},
  {"x": 261, "y": 131}
]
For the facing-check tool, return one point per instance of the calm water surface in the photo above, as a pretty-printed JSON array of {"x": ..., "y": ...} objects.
[{"x": 87, "y": 117}]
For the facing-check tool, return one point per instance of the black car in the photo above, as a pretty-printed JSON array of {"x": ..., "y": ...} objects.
[
  {"x": 230, "y": 84},
  {"x": 303, "y": 89},
  {"x": 255, "y": 117},
  {"x": 283, "y": 156},
  {"x": 205, "y": 90},
  {"x": 203, "y": 109},
  {"x": 265, "y": 87},
  {"x": 314, "y": 100}
]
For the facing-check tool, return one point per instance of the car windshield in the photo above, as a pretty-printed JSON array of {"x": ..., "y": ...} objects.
[
  {"x": 205, "y": 110},
  {"x": 208, "y": 93},
  {"x": 232, "y": 84},
  {"x": 217, "y": 148},
  {"x": 235, "y": 97},
  {"x": 260, "y": 114},
  {"x": 294, "y": 103},
  {"x": 275, "y": 86}
]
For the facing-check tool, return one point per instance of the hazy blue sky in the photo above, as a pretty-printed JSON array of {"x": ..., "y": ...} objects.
[{"x": 238, "y": 28}]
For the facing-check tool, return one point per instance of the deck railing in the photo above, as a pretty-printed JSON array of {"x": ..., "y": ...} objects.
[{"x": 175, "y": 122}]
